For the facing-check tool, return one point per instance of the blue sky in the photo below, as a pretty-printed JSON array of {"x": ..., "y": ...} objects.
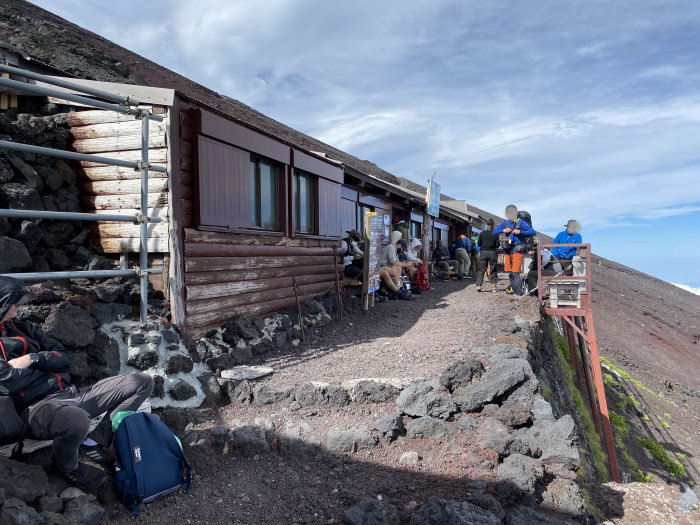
[{"x": 569, "y": 109}]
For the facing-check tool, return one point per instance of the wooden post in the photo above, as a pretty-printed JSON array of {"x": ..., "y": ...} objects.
[
  {"x": 586, "y": 364},
  {"x": 571, "y": 338},
  {"x": 301, "y": 318},
  {"x": 337, "y": 282}
]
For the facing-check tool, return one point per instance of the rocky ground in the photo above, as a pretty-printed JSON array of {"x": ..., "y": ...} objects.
[
  {"x": 650, "y": 330},
  {"x": 461, "y": 436}
]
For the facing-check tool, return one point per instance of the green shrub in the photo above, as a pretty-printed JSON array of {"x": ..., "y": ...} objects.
[{"x": 659, "y": 453}]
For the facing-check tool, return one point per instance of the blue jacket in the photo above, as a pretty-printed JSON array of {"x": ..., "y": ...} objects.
[
  {"x": 566, "y": 238},
  {"x": 525, "y": 230},
  {"x": 464, "y": 243}
]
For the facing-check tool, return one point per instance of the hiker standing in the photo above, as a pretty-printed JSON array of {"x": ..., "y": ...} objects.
[
  {"x": 488, "y": 244},
  {"x": 463, "y": 247},
  {"x": 516, "y": 230}
]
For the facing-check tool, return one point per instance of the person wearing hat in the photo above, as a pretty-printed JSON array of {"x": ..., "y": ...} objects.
[
  {"x": 570, "y": 235},
  {"x": 352, "y": 255},
  {"x": 34, "y": 376}
]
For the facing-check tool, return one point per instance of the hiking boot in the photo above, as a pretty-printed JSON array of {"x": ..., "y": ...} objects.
[
  {"x": 86, "y": 477},
  {"x": 478, "y": 288},
  {"x": 509, "y": 290},
  {"x": 381, "y": 298},
  {"x": 406, "y": 296},
  {"x": 96, "y": 454}
]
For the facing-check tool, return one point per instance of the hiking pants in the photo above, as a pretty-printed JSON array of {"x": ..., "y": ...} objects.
[
  {"x": 65, "y": 416},
  {"x": 448, "y": 265},
  {"x": 532, "y": 276},
  {"x": 463, "y": 259},
  {"x": 487, "y": 257}
]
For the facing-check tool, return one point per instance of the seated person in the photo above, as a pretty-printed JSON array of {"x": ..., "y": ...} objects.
[
  {"x": 390, "y": 267},
  {"x": 571, "y": 235},
  {"x": 441, "y": 259},
  {"x": 420, "y": 275},
  {"x": 353, "y": 256},
  {"x": 34, "y": 374}
]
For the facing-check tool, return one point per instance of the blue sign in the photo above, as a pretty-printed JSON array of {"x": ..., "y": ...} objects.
[{"x": 432, "y": 199}]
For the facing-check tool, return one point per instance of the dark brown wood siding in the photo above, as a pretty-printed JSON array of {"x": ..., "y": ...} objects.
[{"x": 223, "y": 185}]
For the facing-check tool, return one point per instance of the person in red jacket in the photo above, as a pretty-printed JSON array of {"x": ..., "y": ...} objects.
[{"x": 34, "y": 373}]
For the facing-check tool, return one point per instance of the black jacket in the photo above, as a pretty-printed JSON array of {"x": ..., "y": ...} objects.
[
  {"x": 488, "y": 241},
  {"x": 49, "y": 371}
]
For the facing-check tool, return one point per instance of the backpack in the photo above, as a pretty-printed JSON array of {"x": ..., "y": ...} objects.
[
  {"x": 524, "y": 215},
  {"x": 528, "y": 240},
  {"x": 149, "y": 461}
]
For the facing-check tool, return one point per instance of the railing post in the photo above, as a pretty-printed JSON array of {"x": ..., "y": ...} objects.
[{"x": 143, "y": 245}]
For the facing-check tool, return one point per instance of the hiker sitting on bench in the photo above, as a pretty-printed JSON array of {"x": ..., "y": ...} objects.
[
  {"x": 34, "y": 377},
  {"x": 442, "y": 260},
  {"x": 352, "y": 255},
  {"x": 390, "y": 267}
]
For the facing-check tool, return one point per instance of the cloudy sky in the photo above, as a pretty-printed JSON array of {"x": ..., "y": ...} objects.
[{"x": 570, "y": 109}]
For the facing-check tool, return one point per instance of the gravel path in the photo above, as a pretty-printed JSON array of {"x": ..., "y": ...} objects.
[{"x": 399, "y": 339}]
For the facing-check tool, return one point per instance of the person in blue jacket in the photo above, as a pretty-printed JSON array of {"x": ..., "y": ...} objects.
[
  {"x": 516, "y": 231},
  {"x": 570, "y": 235}
]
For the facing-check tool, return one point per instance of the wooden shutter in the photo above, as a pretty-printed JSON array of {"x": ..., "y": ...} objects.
[
  {"x": 223, "y": 185},
  {"x": 329, "y": 216},
  {"x": 348, "y": 215}
]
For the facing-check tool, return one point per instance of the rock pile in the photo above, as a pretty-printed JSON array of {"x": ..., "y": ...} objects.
[{"x": 29, "y": 497}]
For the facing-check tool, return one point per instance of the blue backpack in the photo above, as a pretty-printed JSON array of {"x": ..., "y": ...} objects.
[{"x": 149, "y": 461}]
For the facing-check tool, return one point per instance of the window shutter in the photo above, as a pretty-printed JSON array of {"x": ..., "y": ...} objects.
[
  {"x": 329, "y": 211},
  {"x": 223, "y": 185}
]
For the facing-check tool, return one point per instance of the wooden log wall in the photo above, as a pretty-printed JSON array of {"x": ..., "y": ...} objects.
[
  {"x": 228, "y": 274},
  {"x": 110, "y": 189}
]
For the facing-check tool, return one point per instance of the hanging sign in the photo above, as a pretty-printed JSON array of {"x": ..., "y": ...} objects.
[
  {"x": 432, "y": 198},
  {"x": 373, "y": 245}
]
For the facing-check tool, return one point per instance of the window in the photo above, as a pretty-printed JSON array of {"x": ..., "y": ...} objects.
[
  {"x": 416, "y": 230},
  {"x": 304, "y": 195},
  {"x": 362, "y": 209},
  {"x": 437, "y": 235},
  {"x": 264, "y": 194}
]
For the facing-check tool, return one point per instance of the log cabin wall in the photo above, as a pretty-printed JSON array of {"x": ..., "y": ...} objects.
[
  {"x": 229, "y": 267},
  {"x": 111, "y": 189}
]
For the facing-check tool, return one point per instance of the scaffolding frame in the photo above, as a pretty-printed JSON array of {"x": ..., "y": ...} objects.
[
  {"x": 570, "y": 299},
  {"x": 119, "y": 104}
]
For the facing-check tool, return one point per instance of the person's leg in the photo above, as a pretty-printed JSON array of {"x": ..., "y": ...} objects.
[
  {"x": 461, "y": 259},
  {"x": 388, "y": 280},
  {"x": 66, "y": 424},
  {"x": 483, "y": 263},
  {"x": 113, "y": 395},
  {"x": 454, "y": 265}
]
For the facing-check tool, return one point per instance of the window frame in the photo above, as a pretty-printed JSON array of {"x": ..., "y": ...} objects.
[
  {"x": 361, "y": 216},
  {"x": 295, "y": 197},
  {"x": 279, "y": 174}
]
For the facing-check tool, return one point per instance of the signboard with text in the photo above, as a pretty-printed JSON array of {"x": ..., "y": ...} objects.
[
  {"x": 432, "y": 199},
  {"x": 373, "y": 245}
]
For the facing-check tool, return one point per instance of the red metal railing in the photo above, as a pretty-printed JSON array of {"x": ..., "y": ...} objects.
[{"x": 568, "y": 295}]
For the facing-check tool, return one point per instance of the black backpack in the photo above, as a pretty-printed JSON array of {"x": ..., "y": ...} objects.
[{"x": 524, "y": 215}]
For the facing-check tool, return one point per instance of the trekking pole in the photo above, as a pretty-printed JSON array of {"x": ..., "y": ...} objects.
[
  {"x": 337, "y": 282},
  {"x": 301, "y": 318}
]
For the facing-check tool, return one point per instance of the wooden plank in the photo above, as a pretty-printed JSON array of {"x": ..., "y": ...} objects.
[
  {"x": 220, "y": 309},
  {"x": 117, "y": 173},
  {"x": 118, "y": 143},
  {"x": 256, "y": 273},
  {"x": 208, "y": 291},
  {"x": 155, "y": 156},
  {"x": 95, "y": 116},
  {"x": 118, "y": 202},
  {"x": 204, "y": 264},
  {"x": 118, "y": 230},
  {"x": 122, "y": 187},
  {"x": 128, "y": 245},
  {"x": 117, "y": 129},
  {"x": 238, "y": 250},
  {"x": 186, "y": 163},
  {"x": 176, "y": 270},
  {"x": 161, "y": 212},
  {"x": 192, "y": 235}
]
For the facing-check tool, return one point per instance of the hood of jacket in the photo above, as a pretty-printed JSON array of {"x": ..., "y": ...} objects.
[{"x": 10, "y": 294}]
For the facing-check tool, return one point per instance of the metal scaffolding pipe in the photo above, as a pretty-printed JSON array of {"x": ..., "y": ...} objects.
[
  {"x": 71, "y": 216},
  {"x": 71, "y": 155},
  {"x": 143, "y": 244},
  {"x": 91, "y": 102},
  {"x": 79, "y": 274},
  {"x": 68, "y": 85}
]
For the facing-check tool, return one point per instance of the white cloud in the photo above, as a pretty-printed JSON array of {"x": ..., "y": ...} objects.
[{"x": 691, "y": 289}]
